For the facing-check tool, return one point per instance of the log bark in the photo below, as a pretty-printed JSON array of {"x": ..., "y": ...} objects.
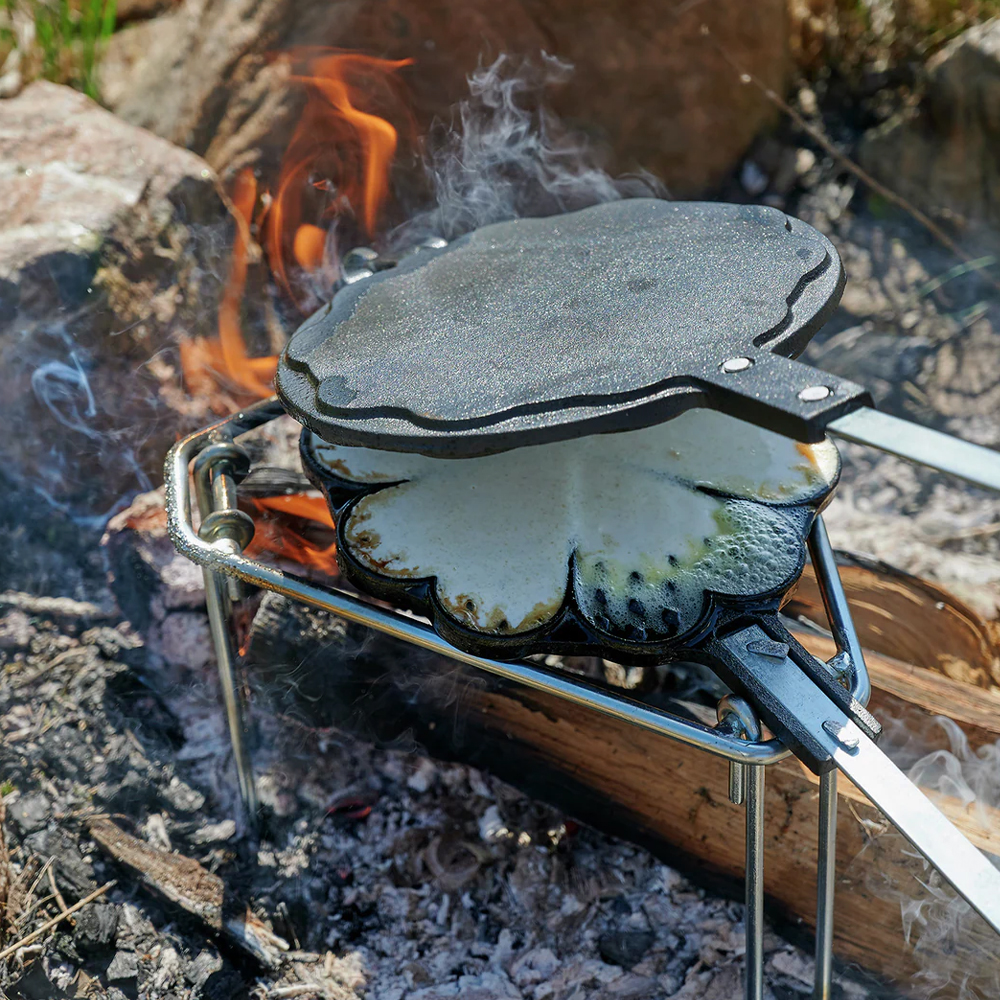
[{"x": 674, "y": 799}]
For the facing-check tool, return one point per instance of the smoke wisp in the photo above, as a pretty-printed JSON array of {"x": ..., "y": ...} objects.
[
  {"x": 505, "y": 156},
  {"x": 954, "y": 947}
]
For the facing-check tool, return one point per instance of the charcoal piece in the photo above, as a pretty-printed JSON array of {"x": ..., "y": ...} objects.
[
  {"x": 74, "y": 876},
  {"x": 95, "y": 928},
  {"x": 35, "y": 985},
  {"x": 625, "y": 948},
  {"x": 226, "y": 984},
  {"x": 67, "y": 754},
  {"x": 133, "y": 794}
]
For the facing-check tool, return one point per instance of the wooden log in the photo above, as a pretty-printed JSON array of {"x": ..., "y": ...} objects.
[
  {"x": 194, "y": 889},
  {"x": 671, "y": 798}
]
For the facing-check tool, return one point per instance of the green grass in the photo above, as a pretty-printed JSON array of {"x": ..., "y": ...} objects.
[{"x": 69, "y": 37}]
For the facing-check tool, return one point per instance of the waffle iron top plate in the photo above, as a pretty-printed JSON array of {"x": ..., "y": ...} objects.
[{"x": 612, "y": 318}]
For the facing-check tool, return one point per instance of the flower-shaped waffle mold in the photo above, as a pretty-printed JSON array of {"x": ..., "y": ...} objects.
[{"x": 623, "y": 543}]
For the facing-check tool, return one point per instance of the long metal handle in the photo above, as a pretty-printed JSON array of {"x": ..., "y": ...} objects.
[
  {"x": 971, "y": 462},
  {"x": 845, "y": 745}
]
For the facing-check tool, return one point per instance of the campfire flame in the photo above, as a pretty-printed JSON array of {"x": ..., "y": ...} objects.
[
  {"x": 226, "y": 360},
  {"x": 336, "y": 168},
  {"x": 337, "y": 149},
  {"x": 296, "y": 527}
]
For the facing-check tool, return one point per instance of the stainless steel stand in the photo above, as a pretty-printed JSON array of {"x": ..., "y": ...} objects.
[{"x": 218, "y": 548}]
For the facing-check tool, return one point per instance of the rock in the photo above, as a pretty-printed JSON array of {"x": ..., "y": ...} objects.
[
  {"x": 648, "y": 85},
  {"x": 125, "y": 965},
  {"x": 106, "y": 261},
  {"x": 214, "y": 833},
  {"x": 537, "y": 965},
  {"x": 208, "y": 963},
  {"x": 423, "y": 777},
  {"x": 942, "y": 154},
  {"x": 625, "y": 948},
  {"x": 184, "y": 641},
  {"x": 30, "y": 812},
  {"x": 181, "y": 797},
  {"x": 71, "y": 170},
  {"x": 15, "y": 630}
]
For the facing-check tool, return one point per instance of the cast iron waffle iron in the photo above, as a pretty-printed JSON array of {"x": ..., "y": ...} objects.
[
  {"x": 613, "y": 318},
  {"x": 587, "y": 433}
]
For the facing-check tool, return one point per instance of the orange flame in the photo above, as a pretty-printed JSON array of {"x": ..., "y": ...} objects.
[
  {"x": 345, "y": 154},
  {"x": 335, "y": 137},
  {"x": 226, "y": 360},
  {"x": 336, "y": 148},
  {"x": 280, "y": 531}
]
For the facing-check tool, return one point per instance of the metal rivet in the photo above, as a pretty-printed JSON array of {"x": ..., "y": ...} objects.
[
  {"x": 841, "y": 734},
  {"x": 733, "y": 365},
  {"x": 814, "y": 393}
]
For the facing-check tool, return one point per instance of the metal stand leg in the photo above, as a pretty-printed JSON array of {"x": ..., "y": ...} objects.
[
  {"x": 754, "y": 779},
  {"x": 746, "y": 785},
  {"x": 826, "y": 870},
  {"x": 218, "y": 622},
  {"x": 217, "y": 469}
]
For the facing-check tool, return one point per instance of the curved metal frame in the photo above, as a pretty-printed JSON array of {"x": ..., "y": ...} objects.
[{"x": 221, "y": 557}]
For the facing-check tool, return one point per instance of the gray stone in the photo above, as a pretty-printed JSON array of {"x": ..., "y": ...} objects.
[
  {"x": 69, "y": 170},
  {"x": 30, "y": 812},
  {"x": 107, "y": 261},
  {"x": 15, "y": 630},
  {"x": 125, "y": 965},
  {"x": 214, "y": 833},
  {"x": 942, "y": 154},
  {"x": 182, "y": 797}
]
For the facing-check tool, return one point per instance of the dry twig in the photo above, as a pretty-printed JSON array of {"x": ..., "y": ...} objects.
[
  {"x": 49, "y": 924},
  {"x": 55, "y": 891}
]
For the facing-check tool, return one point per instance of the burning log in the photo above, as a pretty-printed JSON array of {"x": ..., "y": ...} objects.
[{"x": 614, "y": 777}]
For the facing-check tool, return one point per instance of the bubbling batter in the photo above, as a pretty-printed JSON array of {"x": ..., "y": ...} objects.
[{"x": 641, "y": 524}]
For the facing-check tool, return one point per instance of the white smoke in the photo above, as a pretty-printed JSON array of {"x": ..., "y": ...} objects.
[
  {"x": 957, "y": 952},
  {"x": 504, "y": 156}
]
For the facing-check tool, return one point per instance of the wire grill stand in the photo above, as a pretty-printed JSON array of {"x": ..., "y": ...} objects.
[{"x": 218, "y": 547}]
